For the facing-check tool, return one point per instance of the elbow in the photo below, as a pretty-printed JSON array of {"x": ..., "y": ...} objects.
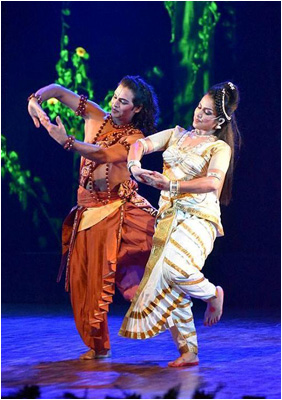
[{"x": 135, "y": 148}]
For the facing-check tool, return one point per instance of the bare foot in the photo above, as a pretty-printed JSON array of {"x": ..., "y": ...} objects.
[
  {"x": 185, "y": 360},
  {"x": 214, "y": 308},
  {"x": 103, "y": 354},
  {"x": 89, "y": 355},
  {"x": 92, "y": 354}
]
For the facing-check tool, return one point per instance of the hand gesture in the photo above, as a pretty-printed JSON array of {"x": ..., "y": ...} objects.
[
  {"x": 137, "y": 173},
  {"x": 35, "y": 111},
  {"x": 57, "y": 132},
  {"x": 155, "y": 179}
]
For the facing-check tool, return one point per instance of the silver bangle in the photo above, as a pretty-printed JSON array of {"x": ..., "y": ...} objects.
[
  {"x": 174, "y": 188},
  {"x": 214, "y": 175},
  {"x": 132, "y": 163}
]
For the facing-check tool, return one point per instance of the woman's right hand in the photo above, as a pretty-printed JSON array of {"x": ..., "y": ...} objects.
[
  {"x": 137, "y": 172},
  {"x": 36, "y": 112}
]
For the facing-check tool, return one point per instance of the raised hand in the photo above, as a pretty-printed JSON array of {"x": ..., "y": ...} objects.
[
  {"x": 57, "y": 132},
  {"x": 36, "y": 112}
]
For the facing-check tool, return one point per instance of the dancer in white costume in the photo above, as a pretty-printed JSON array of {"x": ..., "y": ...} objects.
[{"x": 197, "y": 173}]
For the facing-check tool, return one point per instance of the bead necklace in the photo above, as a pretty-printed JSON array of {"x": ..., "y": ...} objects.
[
  {"x": 116, "y": 136},
  {"x": 126, "y": 126}
]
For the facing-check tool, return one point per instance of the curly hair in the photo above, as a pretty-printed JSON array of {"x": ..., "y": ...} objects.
[
  {"x": 146, "y": 120},
  {"x": 226, "y": 100}
]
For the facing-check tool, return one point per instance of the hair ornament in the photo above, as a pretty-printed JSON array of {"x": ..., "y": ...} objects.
[
  {"x": 231, "y": 85},
  {"x": 223, "y": 106}
]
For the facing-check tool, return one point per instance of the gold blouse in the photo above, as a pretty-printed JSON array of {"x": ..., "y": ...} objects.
[{"x": 187, "y": 163}]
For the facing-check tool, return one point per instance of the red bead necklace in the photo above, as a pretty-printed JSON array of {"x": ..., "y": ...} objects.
[{"x": 124, "y": 130}]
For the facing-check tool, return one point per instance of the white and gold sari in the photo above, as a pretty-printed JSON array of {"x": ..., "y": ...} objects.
[{"x": 187, "y": 226}]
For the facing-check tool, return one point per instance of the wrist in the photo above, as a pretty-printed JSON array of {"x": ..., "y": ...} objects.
[
  {"x": 133, "y": 163},
  {"x": 134, "y": 169},
  {"x": 35, "y": 98},
  {"x": 68, "y": 144}
]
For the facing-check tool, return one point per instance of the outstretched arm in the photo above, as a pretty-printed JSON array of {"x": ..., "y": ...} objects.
[
  {"x": 65, "y": 96},
  {"x": 95, "y": 152},
  {"x": 213, "y": 181},
  {"x": 152, "y": 143},
  {"x": 137, "y": 150},
  {"x": 205, "y": 184}
]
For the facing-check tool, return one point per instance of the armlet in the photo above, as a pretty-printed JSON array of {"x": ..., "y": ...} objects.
[
  {"x": 81, "y": 109},
  {"x": 214, "y": 175}
]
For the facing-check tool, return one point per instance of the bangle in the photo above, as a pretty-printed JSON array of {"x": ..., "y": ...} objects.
[
  {"x": 80, "y": 111},
  {"x": 69, "y": 143},
  {"x": 37, "y": 97},
  {"x": 132, "y": 163},
  {"x": 174, "y": 188}
]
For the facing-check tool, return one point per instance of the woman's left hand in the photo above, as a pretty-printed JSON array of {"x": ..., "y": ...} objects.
[
  {"x": 157, "y": 180},
  {"x": 57, "y": 132}
]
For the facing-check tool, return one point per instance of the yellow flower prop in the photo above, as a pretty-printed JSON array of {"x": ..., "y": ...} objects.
[
  {"x": 52, "y": 101},
  {"x": 80, "y": 51}
]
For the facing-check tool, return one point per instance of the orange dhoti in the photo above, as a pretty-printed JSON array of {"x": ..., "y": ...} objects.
[{"x": 113, "y": 250}]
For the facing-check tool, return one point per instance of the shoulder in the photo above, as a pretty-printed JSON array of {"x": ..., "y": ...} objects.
[
  {"x": 177, "y": 132},
  {"x": 220, "y": 144},
  {"x": 94, "y": 111},
  {"x": 136, "y": 133},
  {"x": 221, "y": 147}
]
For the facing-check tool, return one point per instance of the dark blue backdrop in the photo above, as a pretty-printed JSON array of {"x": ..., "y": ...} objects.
[{"x": 130, "y": 38}]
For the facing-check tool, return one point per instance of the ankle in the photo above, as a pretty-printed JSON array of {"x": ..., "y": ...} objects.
[{"x": 189, "y": 354}]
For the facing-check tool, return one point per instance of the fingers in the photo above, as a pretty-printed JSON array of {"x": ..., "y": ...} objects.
[
  {"x": 143, "y": 181},
  {"x": 36, "y": 122},
  {"x": 59, "y": 121},
  {"x": 147, "y": 172},
  {"x": 44, "y": 117},
  {"x": 156, "y": 174},
  {"x": 42, "y": 114},
  {"x": 45, "y": 121},
  {"x": 147, "y": 179}
]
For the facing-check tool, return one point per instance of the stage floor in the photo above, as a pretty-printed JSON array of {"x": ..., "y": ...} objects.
[{"x": 238, "y": 357}]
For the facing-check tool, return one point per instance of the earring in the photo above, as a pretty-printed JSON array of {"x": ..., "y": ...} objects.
[{"x": 220, "y": 122}]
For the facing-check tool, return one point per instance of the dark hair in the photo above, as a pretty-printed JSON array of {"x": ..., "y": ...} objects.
[
  {"x": 228, "y": 94},
  {"x": 146, "y": 119}
]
